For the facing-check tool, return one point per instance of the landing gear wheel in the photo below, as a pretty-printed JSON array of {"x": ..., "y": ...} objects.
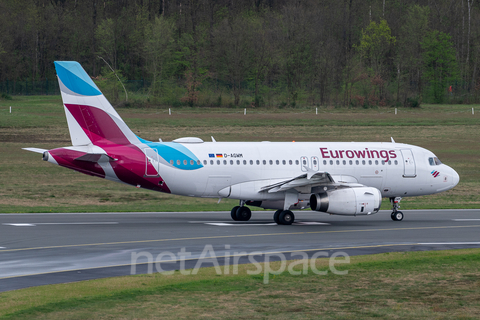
[
  {"x": 244, "y": 214},
  {"x": 398, "y": 215},
  {"x": 286, "y": 217},
  {"x": 276, "y": 216},
  {"x": 233, "y": 213}
]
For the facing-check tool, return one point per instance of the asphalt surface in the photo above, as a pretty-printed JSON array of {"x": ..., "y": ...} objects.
[{"x": 38, "y": 249}]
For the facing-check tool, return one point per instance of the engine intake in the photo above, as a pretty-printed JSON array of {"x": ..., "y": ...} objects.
[{"x": 348, "y": 201}]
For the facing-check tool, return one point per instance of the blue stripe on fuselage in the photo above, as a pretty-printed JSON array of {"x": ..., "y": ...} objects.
[{"x": 173, "y": 151}]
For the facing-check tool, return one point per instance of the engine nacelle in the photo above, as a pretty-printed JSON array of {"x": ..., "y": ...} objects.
[{"x": 348, "y": 201}]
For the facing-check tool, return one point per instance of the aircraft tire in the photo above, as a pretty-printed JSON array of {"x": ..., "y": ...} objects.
[
  {"x": 233, "y": 213},
  {"x": 392, "y": 215},
  {"x": 399, "y": 216},
  {"x": 276, "y": 216},
  {"x": 243, "y": 214},
  {"x": 286, "y": 217}
]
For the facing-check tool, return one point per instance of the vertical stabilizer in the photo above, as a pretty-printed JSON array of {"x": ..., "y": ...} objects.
[{"x": 91, "y": 118}]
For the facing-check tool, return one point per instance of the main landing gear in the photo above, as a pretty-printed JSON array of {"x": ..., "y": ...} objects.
[
  {"x": 396, "y": 215},
  {"x": 241, "y": 213},
  {"x": 285, "y": 217}
]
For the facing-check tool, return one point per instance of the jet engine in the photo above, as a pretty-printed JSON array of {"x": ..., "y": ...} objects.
[{"x": 347, "y": 201}]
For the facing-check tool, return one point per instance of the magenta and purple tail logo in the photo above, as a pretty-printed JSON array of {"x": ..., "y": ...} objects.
[{"x": 435, "y": 173}]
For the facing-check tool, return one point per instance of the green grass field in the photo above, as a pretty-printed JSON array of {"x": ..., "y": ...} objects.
[
  {"x": 28, "y": 184},
  {"x": 411, "y": 285}
]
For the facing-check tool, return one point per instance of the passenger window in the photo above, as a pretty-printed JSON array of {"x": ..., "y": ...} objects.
[
  {"x": 389, "y": 162},
  {"x": 258, "y": 162},
  {"x": 218, "y": 162},
  {"x": 290, "y": 162},
  {"x": 271, "y": 162},
  {"x": 357, "y": 162},
  {"x": 331, "y": 162},
  {"x": 314, "y": 162},
  {"x": 205, "y": 162},
  {"x": 383, "y": 162},
  {"x": 225, "y": 162},
  {"x": 376, "y": 162},
  {"x": 211, "y": 162},
  {"x": 244, "y": 161},
  {"x": 264, "y": 162},
  {"x": 171, "y": 162},
  {"x": 304, "y": 162},
  {"x": 338, "y": 162},
  {"x": 191, "y": 162},
  {"x": 370, "y": 162},
  {"x": 277, "y": 162},
  {"x": 350, "y": 162},
  {"x": 324, "y": 162},
  {"x": 396, "y": 162},
  {"x": 178, "y": 162},
  {"x": 344, "y": 162},
  {"x": 231, "y": 161},
  {"x": 363, "y": 162},
  {"x": 238, "y": 162},
  {"x": 284, "y": 162},
  {"x": 251, "y": 162},
  {"x": 296, "y": 162},
  {"x": 198, "y": 162}
]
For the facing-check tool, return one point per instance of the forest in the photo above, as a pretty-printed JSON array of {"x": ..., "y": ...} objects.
[{"x": 248, "y": 53}]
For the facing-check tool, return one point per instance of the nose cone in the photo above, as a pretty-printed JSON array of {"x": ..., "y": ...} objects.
[{"x": 455, "y": 178}]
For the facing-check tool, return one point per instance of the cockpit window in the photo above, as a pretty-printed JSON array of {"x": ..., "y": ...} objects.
[{"x": 434, "y": 161}]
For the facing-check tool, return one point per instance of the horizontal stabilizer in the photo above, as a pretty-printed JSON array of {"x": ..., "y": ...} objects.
[
  {"x": 95, "y": 157},
  {"x": 37, "y": 150}
]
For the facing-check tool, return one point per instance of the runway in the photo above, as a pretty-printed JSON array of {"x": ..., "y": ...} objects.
[{"x": 38, "y": 249}]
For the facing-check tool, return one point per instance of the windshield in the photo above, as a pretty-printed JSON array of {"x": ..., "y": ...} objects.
[{"x": 434, "y": 161}]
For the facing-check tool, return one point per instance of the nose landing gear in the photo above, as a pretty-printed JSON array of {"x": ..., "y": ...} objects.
[{"x": 396, "y": 215}]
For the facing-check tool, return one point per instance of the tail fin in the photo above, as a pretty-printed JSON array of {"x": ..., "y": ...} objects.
[{"x": 91, "y": 118}]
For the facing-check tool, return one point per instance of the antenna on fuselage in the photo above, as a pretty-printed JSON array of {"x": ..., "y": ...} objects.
[
  {"x": 393, "y": 141},
  {"x": 213, "y": 139}
]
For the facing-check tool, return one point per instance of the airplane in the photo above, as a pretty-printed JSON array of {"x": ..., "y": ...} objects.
[{"x": 343, "y": 178}]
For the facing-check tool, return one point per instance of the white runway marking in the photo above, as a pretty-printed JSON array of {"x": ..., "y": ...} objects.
[
  {"x": 465, "y": 219},
  {"x": 450, "y": 243},
  {"x": 225, "y": 224},
  {"x": 55, "y": 223}
]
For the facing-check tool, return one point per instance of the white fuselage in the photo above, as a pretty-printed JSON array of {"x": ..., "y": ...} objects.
[{"x": 397, "y": 170}]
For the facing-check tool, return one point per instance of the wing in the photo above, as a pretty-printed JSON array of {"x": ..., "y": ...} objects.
[{"x": 312, "y": 179}]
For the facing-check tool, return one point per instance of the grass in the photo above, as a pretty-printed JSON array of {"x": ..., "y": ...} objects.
[
  {"x": 409, "y": 285},
  {"x": 28, "y": 184}
]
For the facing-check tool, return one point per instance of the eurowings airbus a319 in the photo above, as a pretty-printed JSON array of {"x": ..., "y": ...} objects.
[{"x": 344, "y": 178}]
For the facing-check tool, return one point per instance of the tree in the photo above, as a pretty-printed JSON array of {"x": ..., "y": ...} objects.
[
  {"x": 158, "y": 52},
  {"x": 409, "y": 59},
  {"x": 439, "y": 62},
  {"x": 376, "y": 42}
]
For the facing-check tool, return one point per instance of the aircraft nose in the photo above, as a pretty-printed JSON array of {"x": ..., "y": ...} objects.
[{"x": 455, "y": 178}]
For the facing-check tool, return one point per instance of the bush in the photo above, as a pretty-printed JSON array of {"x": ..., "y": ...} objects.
[
  {"x": 413, "y": 102},
  {"x": 6, "y": 96}
]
